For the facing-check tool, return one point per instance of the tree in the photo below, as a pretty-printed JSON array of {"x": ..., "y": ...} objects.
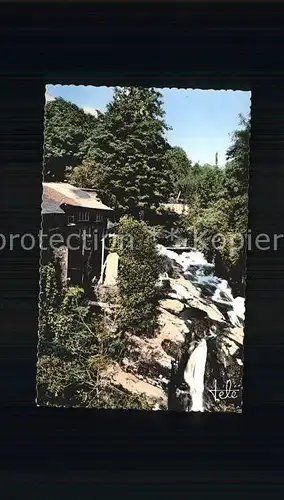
[
  {"x": 202, "y": 186},
  {"x": 67, "y": 127},
  {"x": 179, "y": 165},
  {"x": 236, "y": 175},
  {"x": 83, "y": 175},
  {"x": 236, "y": 190},
  {"x": 126, "y": 157},
  {"x": 209, "y": 182},
  {"x": 139, "y": 270}
]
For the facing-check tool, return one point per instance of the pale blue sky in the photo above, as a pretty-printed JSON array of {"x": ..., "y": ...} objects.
[{"x": 201, "y": 120}]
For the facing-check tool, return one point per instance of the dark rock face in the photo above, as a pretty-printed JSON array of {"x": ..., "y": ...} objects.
[{"x": 171, "y": 348}]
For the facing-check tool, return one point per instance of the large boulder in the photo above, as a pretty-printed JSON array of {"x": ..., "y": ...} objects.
[
  {"x": 172, "y": 327},
  {"x": 180, "y": 292},
  {"x": 193, "y": 290},
  {"x": 132, "y": 384},
  {"x": 210, "y": 309},
  {"x": 236, "y": 334},
  {"x": 172, "y": 305}
]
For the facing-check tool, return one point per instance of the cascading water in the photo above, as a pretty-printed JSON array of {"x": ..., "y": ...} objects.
[
  {"x": 223, "y": 293},
  {"x": 194, "y": 375},
  {"x": 239, "y": 307},
  {"x": 200, "y": 272}
]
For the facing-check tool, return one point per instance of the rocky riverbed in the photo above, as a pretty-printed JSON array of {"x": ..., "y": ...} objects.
[{"x": 194, "y": 308}]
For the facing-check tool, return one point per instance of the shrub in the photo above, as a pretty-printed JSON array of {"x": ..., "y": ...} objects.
[
  {"x": 75, "y": 348},
  {"x": 139, "y": 269},
  {"x": 49, "y": 301},
  {"x": 116, "y": 399}
]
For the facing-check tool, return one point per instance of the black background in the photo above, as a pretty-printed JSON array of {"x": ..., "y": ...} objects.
[{"x": 46, "y": 452}]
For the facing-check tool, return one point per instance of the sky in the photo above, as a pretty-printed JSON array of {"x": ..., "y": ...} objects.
[{"x": 202, "y": 121}]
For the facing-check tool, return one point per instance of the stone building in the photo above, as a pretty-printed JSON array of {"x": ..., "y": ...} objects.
[{"x": 75, "y": 228}]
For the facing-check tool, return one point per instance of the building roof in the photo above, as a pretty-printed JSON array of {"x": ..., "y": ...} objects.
[
  {"x": 49, "y": 206},
  {"x": 178, "y": 208},
  {"x": 63, "y": 193}
]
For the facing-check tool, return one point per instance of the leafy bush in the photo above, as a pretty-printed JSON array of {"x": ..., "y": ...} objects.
[
  {"x": 67, "y": 130},
  {"x": 139, "y": 269},
  {"x": 115, "y": 399},
  {"x": 75, "y": 348}
]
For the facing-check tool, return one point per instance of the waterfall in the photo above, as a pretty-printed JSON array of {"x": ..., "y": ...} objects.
[
  {"x": 239, "y": 307},
  {"x": 194, "y": 375},
  {"x": 201, "y": 272}
]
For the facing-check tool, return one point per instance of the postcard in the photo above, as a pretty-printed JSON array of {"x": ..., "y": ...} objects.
[{"x": 143, "y": 248}]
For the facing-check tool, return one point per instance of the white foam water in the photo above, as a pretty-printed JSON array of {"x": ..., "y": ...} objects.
[
  {"x": 194, "y": 376},
  {"x": 197, "y": 269}
]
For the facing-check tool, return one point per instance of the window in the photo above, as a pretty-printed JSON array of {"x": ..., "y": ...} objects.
[
  {"x": 98, "y": 217},
  {"x": 83, "y": 216},
  {"x": 71, "y": 219}
]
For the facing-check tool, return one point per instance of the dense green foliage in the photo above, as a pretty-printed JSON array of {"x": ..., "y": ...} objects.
[
  {"x": 202, "y": 186},
  {"x": 237, "y": 175},
  {"x": 75, "y": 348},
  {"x": 66, "y": 131},
  {"x": 180, "y": 167},
  {"x": 126, "y": 161},
  {"x": 140, "y": 266},
  {"x": 218, "y": 200}
]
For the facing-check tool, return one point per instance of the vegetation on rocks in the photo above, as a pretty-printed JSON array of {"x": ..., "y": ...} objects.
[
  {"x": 75, "y": 349},
  {"x": 218, "y": 205},
  {"x": 66, "y": 131},
  {"x": 139, "y": 270}
]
